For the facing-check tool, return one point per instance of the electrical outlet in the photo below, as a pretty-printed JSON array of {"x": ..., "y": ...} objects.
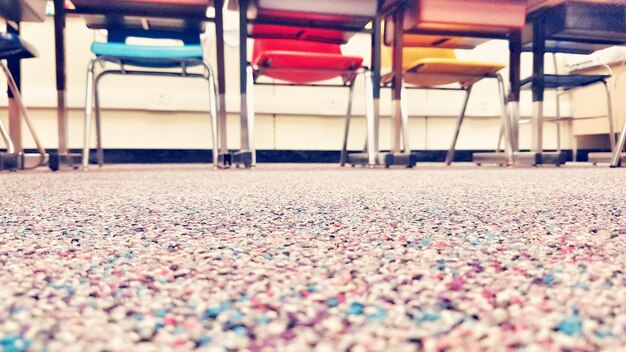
[
  {"x": 333, "y": 107},
  {"x": 161, "y": 101},
  {"x": 484, "y": 107}
]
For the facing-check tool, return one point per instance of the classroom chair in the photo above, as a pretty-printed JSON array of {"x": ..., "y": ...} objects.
[
  {"x": 565, "y": 83},
  {"x": 12, "y": 47},
  {"x": 152, "y": 60},
  {"x": 434, "y": 68},
  {"x": 297, "y": 62}
]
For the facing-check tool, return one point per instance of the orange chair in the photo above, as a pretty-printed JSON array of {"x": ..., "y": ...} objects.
[{"x": 433, "y": 68}]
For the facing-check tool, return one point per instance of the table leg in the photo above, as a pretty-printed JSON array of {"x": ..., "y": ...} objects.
[
  {"x": 376, "y": 65},
  {"x": 245, "y": 156},
  {"x": 59, "y": 39},
  {"x": 515, "y": 63},
  {"x": 396, "y": 118},
  {"x": 538, "y": 84},
  {"x": 538, "y": 156},
  {"x": 224, "y": 157},
  {"x": 397, "y": 156},
  {"x": 15, "y": 119},
  {"x": 367, "y": 159},
  {"x": 62, "y": 156}
]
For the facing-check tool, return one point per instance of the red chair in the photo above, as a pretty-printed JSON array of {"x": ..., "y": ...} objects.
[{"x": 302, "y": 62}]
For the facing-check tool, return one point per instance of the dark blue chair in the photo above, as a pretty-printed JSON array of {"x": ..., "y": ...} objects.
[
  {"x": 566, "y": 83},
  {"x": 14, "y": 48},
  {"x": 152, "y": 61}
]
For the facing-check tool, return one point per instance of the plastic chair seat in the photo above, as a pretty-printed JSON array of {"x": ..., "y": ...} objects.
[
  {"x": 566, "y": 81},
  {"x": 314, "y": 66},
  {"x": 12, "y": 46},
  {"x": 300, "y": 33},
  {"x": 149, "y": 55},
  {"x": 431, "y": 72}
]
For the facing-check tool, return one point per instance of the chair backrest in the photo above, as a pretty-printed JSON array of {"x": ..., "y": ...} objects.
[
  {"x": 262, "y": 45},
  {"x": 410, "y": 55},
  {"x": 272, "y": 31},
  {"x": 120, "y": 35}
]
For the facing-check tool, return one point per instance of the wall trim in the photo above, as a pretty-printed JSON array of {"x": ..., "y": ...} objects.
[{"x": 180, "y": 156}]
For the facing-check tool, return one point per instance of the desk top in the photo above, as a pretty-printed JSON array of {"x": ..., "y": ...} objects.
[
  {"x": 579, "y": 26},
  {"x": 23, "y": 10},
  {"x": 459, "y": 16},
  {"x": 154, "y": 8},
  {"x": 535, "y": 5}
]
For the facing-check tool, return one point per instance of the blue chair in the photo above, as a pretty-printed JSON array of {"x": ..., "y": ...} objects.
[
  {"x": 567, "y": 82},
  {"x": 564, "y": 83},
  {"x": 14, "y": 48},
  {"x": 153, "y": 61}
]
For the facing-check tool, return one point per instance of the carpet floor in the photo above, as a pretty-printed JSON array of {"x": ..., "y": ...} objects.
[{"x": 313, "y": 258}]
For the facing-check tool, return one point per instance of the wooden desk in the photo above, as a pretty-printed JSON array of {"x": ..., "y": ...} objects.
[
  {"x": 584, "y": 24},
  {"x": 189, "y": 10},
  {"x": 454, "y": 19}
]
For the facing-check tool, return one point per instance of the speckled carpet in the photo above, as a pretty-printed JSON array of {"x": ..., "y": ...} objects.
[{"x": 299, "y": 258}]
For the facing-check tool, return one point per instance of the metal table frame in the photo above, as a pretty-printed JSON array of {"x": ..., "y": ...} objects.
[
  {"x": 63, "y": 155},
  {"x": 512, "y": 101}
]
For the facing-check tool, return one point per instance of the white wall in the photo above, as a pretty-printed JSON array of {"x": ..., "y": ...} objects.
[{"x": 153, "y": 112}]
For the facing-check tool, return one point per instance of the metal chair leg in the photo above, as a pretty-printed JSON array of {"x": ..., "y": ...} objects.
[
  {"x": 214, "y": 117},
  {"x": 8, "y": 142},
  {"x": 510, "y": 122},
  {"x": 25, "y": 116},
  {"x": 451, "y": 151},
  {"x": 609, "y": 105},
  {"x": 500, "y": 136},
  {"x": 89, "y": 98},
  {"x": 251, "y": 113},
  {"x": 617, "y": 155},
  {"x": 99, "y": 150},
  {"x": 344, "y": 149},
  {"x": 370, "y": 118}
]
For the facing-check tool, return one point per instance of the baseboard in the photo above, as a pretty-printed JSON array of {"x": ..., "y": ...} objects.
[{"x": 187, "y": 156}]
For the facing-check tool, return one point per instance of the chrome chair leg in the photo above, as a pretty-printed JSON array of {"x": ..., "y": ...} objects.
[
  {"x": 451, "y": 151},
  {"x": 370, "y": 118},
  {"x": 8, "y": 142},
  {"x": 344, "y": 149},
  {"x": 25, "y": 115},
  {"x": 609, "y": 105},
  {"x": 251, "y": 113},
  {"x": 214, "y": 108},
  {"x": 513, "y": 117},
  {"x": 500, "y": 136},
  {"x": 510, "y": 119},
  {"x": 89, "y": 97},
  {"x": 617, "y": 155},
  {"x": 99, "y": 150}
]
